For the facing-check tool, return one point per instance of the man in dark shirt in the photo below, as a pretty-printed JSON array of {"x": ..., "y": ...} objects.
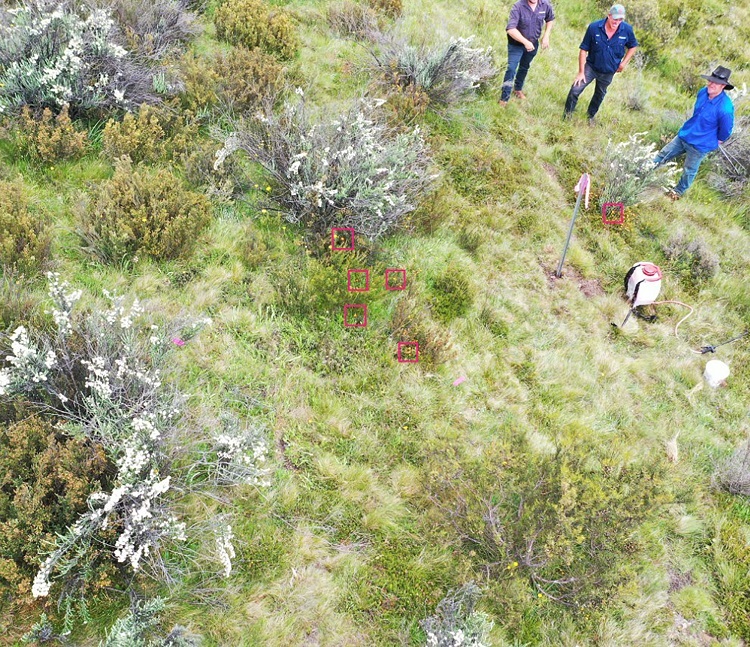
[
  {"x": 606, "y": 49},
  {"x": 711, "y": 124},
  {"x": 527, "y": 18}
]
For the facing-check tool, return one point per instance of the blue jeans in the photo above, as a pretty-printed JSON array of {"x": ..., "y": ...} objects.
[
  {"x": 518, "y": 59},
  {"x": 602, "y": 83},
  {"x": 693, "y": 159}
]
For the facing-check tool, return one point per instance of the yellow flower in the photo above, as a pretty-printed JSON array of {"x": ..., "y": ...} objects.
[
  {"x": 263, "y": 211},
  {"x": 268, "y": 188}
]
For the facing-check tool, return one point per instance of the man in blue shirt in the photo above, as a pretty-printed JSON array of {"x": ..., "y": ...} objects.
[
  {"x": 527, "y": 18},
  {"x": 711, "y": 124},
  {"x": 606, "y": 49}
]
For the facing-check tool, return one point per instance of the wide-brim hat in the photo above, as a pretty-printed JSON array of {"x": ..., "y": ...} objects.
[{"x": 720, "y": 75}]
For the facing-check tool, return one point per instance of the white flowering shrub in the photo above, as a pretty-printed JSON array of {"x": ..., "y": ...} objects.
[
  {"x": 56, "y": 52},
  {"x": 99, "y": 374},
  {"x": 629, "y": 173},
  {"x": 456, "y": 623},
  {"x": 447, "y": 73},
  {"x": 351, "y": 171}
]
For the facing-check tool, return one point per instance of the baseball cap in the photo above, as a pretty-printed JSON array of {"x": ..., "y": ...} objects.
[{"x": 617, "y": 11}]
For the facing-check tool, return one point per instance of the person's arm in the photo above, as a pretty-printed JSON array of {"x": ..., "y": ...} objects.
[
  {"x": 626, "y": 59},
  {"x": 519, "y": 37},
  {"x": 582, "y": 57},
  {"x": 726, "y": 125},
  {"x": 547, "y": 30}
]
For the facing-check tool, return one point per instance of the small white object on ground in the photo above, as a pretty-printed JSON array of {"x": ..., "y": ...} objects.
[{"x": 716, "y": 372}]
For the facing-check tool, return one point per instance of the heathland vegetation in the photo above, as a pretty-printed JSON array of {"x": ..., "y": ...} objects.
[{"x": 194, "y": 448}]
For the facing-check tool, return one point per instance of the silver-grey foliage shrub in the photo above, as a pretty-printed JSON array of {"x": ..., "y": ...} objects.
[
  {"x": 154, "y": 29},
  {"x": 456, "y": 622},
  {"x": 731, "y": 164},
  {"x": 353, "y": 20},
  {"x": 137, "y": 628},
  {"x": 447, "y": 73},
  {"x": 692, "y": 255},
  {"x": 734, "y": 474},
  {"x": 97, "y": 375},
  {"x": 350, "y": 171},
  {"x": 56, "y": 52}
]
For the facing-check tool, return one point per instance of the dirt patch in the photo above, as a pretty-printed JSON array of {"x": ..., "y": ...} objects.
[
  {"x": 551, "y": 171},
  {"x": 281, "y": 454},
  {"x": 679, "y": 580},
  {"x": 589, "y": 287}
]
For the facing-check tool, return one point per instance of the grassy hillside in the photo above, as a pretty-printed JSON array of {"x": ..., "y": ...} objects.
[{"x": 545, "y": 475}]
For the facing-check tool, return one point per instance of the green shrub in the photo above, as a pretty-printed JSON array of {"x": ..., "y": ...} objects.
[
  {"x": 411, "y": 322},
  {"x": 564, "y": 523},
  {"x": 312, "y": 287},
  {"x": 18, "y": 305},
  {"x": 239, "y": 80},
  {"x": 45, "y": 479},
  {"x": 247, "y": 78},
  {"x": 49, "y": 138},
  {"x": 691, "y": 259},
  {"x": 201, "y": 83},
  {"x": 254, "y": 24},
  {"x": 451, "y": 294},
  {"x": 654, "y": 31},
  {"x": 142, "y": 211},
  {"x": 24, "y": 233},
  {"x": 154, "y": 134}
]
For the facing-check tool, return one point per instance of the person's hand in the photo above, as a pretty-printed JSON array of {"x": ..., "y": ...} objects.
[
  {"x": 580, "y": 78},
  {"x": 529, "y": 46},
  {"x": 545, "y": 42},
  {"x": 621, "y": 67}
]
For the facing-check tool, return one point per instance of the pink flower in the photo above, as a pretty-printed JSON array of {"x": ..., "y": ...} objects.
[{"x": 178, "y": 342}]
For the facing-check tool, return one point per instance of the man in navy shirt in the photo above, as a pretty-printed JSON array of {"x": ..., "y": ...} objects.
[
  {"x": 606, "y": 49},
  {"x": 711, "y": 124},
  {"x": 527, "y": 18}
]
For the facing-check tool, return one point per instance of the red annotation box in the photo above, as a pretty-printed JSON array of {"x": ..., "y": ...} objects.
[
  {"x": 605, "y": 212},
  {"x": 355, "y": 315},
  {"x": 345, "y": 236},
  {"x": 352, "y": 288},
  {"x": 407, "y": 352},
  {"x": 398, "y": 286}
]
